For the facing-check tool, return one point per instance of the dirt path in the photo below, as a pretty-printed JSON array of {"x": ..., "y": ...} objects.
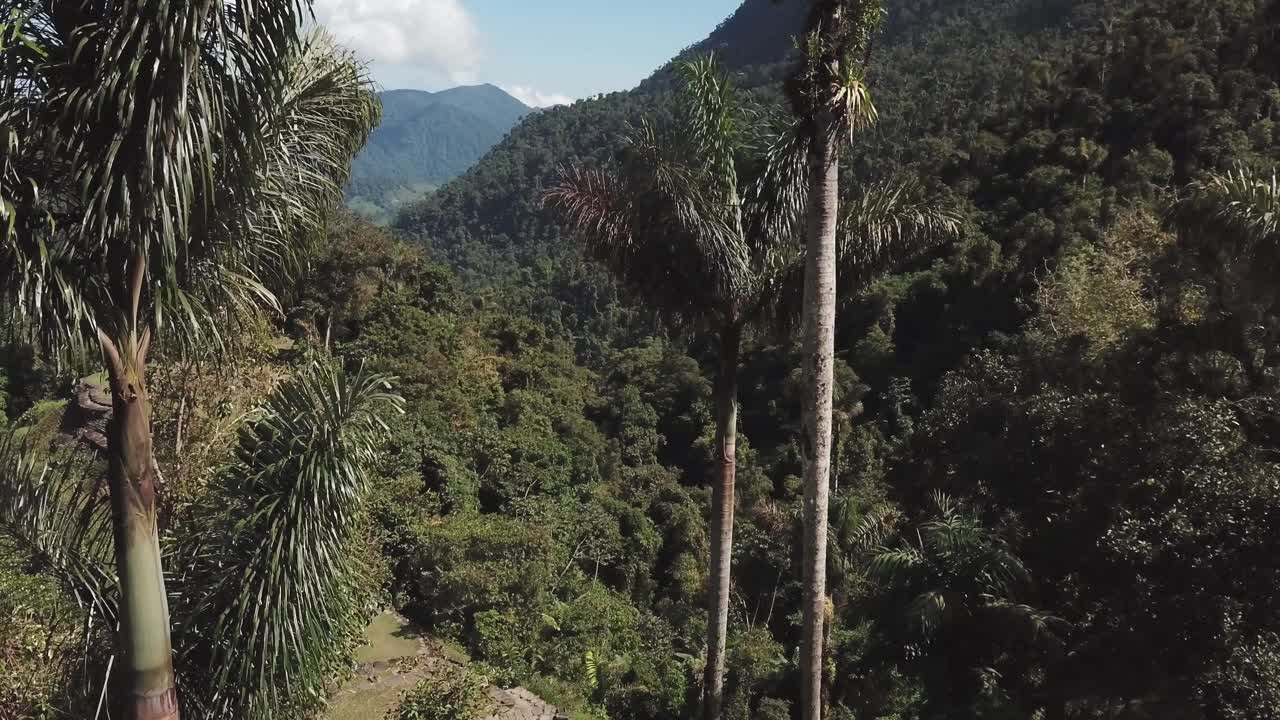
[{"x": 395, "y": 659}]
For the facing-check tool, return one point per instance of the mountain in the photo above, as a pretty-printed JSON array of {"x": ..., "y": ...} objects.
[
  {"x": 489, "y": 222},
  {"x": 425, "y": 140}
]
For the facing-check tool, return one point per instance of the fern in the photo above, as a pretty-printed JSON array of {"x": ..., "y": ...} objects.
[{"x": 591, "y": 674}]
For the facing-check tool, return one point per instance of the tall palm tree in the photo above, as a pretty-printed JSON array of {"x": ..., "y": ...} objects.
[
  {"x": 181, "y": 163},
  {"x": 266, "y": 592},
  {"x": 701, "y": 225},
  {"x": 832, "y": 102},
  {"x": 676, "y": 221},
  {"x": 269, "y": 590}
]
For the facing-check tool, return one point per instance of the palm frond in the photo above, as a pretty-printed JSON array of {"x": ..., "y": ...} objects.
[
  {"x": 270, "y": 209},
  {"x": 598, "y": 206},
  {"x": 856, "y": 111},
  {"x": 952, "y": 532},
  {"x": 653, "y": 223},
  {"x": 880, "y": 227},
  {"x": 688, "y": 200},
  {"x": 591, "y": 674},
  {"x": 929, "y": 610},
  {"x": 777, "y": 198},
  {"x": 888, "y": 223},
  {"x": 268, "y": 590},
  {"x": 1243, "y": 201},
  {"x": 717, "y": 122},
  {"x": 895, "y": 561},
  {"x": 17, "y": 49},
  {"x": 875, "y": 527},
  {"x": 1026, "y": 620},
  {"x": 1001, "y": 571},
  {"x": 210, "y": 172},
  {"x": 54, "y": 508},
  {"x": 957, "y": 567},
  {"x": 41, "y": 288}
]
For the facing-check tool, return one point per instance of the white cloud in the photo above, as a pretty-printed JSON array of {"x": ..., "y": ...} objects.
[
  {"x": 437, "y": 36},
  {"x": 536, "y": 98}
]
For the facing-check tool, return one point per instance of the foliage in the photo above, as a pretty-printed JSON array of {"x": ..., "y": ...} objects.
[
  {"x": 450, "y": 692},
  {"x": 241, "y": 191},
  {"x": 269, "y": 584},
  {"x": 1047, "y": 352},
  {"x": 42, "y": 644},
  {"x": 56, "y": 511},
  {"x": 1101, "y": 294}
]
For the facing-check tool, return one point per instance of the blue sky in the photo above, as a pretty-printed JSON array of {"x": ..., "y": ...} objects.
[{"x": 542, "y": 51}]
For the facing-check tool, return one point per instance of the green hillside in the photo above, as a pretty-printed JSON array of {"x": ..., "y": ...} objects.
[
  {"x": 1038, "y": 388},
  {"x": 491, "y": 215},
  {"x": 425, "y": 140}
]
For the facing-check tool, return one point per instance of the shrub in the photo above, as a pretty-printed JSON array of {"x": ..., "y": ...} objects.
[
  {"x": 774, "y": 709},
  {"x": 451, "y": 692}
]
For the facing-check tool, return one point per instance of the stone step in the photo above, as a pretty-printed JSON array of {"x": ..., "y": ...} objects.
[{"x": 520, "y": 704}]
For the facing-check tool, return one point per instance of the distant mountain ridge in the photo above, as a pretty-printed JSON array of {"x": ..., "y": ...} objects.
[
  {"x": 425, "y": 140},
  {"x": 489, "y": 222}
]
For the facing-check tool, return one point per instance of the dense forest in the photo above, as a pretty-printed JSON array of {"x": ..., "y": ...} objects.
[{"x": 1055, "y": 489}]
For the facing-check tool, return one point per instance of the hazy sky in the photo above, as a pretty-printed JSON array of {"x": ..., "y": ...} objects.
[{"x": 542, "y": 51}]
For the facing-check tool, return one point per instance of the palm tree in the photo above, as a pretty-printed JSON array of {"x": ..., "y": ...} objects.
[
  {"x": 678, "y": 222},
  {"x": 961, "y": 586},
  {"x": 831, "y": 100},
  {"x": 268, "y": 591},
  {"x": 954, "y": 569},
  {"x": 182, "y": 158},
  {"x": 701, "y": 226},
  {"x": 265, "y": 596}
]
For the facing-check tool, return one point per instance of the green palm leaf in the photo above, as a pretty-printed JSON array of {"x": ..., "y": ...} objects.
[
  {"x": 1243, "y": 201},
  {"x": 55, "y": 509},
  {"x": 888, "y": 223},
  {"x": 182, "y": 198},
  {"x": 881, "y": 227},
  {"x": 269, "y": 212},
  {"x": 268, "y": 595},
  {"x": 667, "y": 218}
]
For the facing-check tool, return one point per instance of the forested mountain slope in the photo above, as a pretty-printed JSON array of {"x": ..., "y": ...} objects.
[
  {"x": 426, "y": 139},
  {"x": 490, "y": 218},
  {"x": 997, "y": 100},
  {"x": 1033, "y": 387}
]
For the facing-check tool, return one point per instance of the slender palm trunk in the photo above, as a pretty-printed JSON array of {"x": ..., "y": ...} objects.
[
  {"x": 722, "y": 506},
  {"x": 819, "y": 360},
  {"x": 144, "y": 606}
]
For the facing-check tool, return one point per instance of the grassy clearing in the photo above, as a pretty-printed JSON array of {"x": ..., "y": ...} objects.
[{"x": 388, "y": 637}]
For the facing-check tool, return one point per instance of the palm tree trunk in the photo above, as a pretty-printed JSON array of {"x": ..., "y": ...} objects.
[
  {"x": 722, "y": 506},
  {"x": 144, "y": 605},
  {"x": 819, "y": 359}
]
